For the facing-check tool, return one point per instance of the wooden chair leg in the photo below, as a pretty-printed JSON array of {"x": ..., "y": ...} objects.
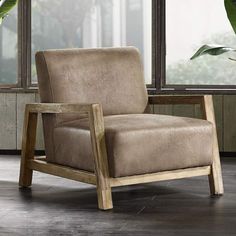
[
  {"x": 100, "y": 158},
  {"x": 104, "y": 198},
  {"x": 28, "y": 145},
  {"x": 215, "y": 177}
]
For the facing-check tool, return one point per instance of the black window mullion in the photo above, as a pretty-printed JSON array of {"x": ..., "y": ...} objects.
[{"x": 24, "y": 43}]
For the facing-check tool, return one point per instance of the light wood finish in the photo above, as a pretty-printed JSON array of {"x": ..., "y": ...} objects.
[
  {"x": 28, "y": 146},
  {"x": 101, "y": 176},
  {"x": 215, "y": 178},
  {"x": 100, "y": 158},
  {"x": 40, "y": 158},
  {"x": 219, "y": 117},
  {"x": 98, "y": 141},
  {"x": 61, "y": 171},
  {"x": 54, "y": 108},
  {"x": 207, "y": 107},
  {"x": 39, "y": 136},
  {"x": 164, "y": 175}
]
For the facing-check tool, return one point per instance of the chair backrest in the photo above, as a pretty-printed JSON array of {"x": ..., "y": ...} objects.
[{"x": 112, "y": 77}]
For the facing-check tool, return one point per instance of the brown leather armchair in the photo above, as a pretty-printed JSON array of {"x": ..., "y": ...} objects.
[{"x": 97, "y": 128}]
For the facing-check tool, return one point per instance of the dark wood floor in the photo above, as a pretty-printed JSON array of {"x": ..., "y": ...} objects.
[{"x": 55, "y": 206}]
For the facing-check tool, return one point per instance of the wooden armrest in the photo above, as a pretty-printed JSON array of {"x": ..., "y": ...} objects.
[
  {"x": 94, "y": 111},
  {"x": 60, "y": 107},
  {"x": 97, "y": 132},
  {"x": 172, "y": 99}
]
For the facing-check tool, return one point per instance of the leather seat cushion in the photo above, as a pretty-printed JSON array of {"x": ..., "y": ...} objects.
[{"x": 138, "y": 144}]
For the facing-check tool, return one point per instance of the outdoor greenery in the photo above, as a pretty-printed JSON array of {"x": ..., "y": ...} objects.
[
  {"x": 215, "y": 50},
  {"x": 208, "y": 70},
  {"x": 56, "y": 24},
  {"x": 5, "y": 7},
  {"x": 8, "y": 42},
  {"x": 66, "y": 19}
]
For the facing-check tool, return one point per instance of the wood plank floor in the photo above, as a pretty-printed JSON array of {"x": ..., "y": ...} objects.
[{"x": 55, "y": 206}]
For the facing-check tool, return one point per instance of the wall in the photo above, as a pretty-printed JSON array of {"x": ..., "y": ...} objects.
[
  {"x": 12, "y": 107},
  {"x": 12, "y": 115}
]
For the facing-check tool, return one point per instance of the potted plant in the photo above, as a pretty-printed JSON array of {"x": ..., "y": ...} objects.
[
  {"x": 5, "y": 7},
  {"x": 214, "y": 50}
]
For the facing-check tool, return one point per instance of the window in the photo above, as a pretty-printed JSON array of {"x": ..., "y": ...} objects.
[
  {"x": 50, "y": 24},
  {"x": 190, "y": 24},
  {"x": 166, "y": 32},
  {"x": 89, "y": 23},
  {"x": 8, "y": 51}
]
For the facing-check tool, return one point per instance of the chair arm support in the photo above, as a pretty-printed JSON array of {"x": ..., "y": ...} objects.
[
  {"x": 55, "y": 108},
  {"x": 96, "y": 125},
  {"x": 97, "y": 131},
  {"x": 94, "y": 111},
  {"x": 173, "y": 99},
  {"x": 207, "y": 107}
]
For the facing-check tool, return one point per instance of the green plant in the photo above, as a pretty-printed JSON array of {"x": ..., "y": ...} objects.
[
  {"x": 214, "y": 50},
  {"x": 5, "y": 7}
]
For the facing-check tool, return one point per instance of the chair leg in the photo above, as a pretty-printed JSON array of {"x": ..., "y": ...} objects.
[
  {"x": 104, "y": 198},
  {"x": 100, "y": 158},
  {"x": 215, "y": 177},
  {"x": 28, "y": 145}
]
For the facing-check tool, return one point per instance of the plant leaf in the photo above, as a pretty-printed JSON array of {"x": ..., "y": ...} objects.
[
  {"x": 211, "y": 50},
  {"x": 230, "y": 7},
  {"x": 5, "y": 7}
]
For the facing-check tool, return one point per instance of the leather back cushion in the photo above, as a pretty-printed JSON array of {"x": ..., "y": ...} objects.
[{"x": 112, "y": 77}]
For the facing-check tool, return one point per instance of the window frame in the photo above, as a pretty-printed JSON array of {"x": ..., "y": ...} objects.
[
  {"x": 158, "y": 85},
  {"x": 24, "y": 51},
  {"x": 24, "y": 82},
  {"x": 8, "y": 87},
  {"x": 24, "y": 42},
  {"x": 162, "y": 86}
]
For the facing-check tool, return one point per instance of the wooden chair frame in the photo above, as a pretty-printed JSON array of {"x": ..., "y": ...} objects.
[{"x": 101, "y": 177}]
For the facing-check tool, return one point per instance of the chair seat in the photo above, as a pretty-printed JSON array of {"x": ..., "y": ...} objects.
[{"x": 137, "y": 144}]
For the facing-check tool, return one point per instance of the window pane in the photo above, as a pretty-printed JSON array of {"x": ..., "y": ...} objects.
[
  {"x": 8, "y": 49},
  {"x": 92, "y": 23},
  {"x": 189, "y": 25}
]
